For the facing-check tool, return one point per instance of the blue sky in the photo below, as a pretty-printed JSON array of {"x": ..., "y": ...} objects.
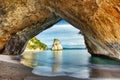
[
  {"x": 62, "y": 22},
  {"x": 66, "y": 33}
]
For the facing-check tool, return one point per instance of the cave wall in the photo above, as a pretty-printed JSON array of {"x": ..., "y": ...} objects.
[
  {"x": 97, "y": 19},
  {"x": 20, "y": 21},
  {"x": 15, "y": 15}
]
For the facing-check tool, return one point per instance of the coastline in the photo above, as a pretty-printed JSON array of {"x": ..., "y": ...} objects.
[
  {"x": 35, "y": 50},
  {"x": 11, "y": 69}
]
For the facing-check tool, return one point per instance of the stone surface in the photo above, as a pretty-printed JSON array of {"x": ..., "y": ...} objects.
[
  {"x": 25, "y": 20},
  {"x": 35, "y": 44},
  {"x": 99, "y": 20},
  {"x": 56, "y": 45}
]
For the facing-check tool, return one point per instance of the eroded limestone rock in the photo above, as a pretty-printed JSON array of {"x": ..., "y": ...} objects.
[
  {"x": 20, "y": 22},
  {"x": 56, "y": 45},
  {"x": 99, "y": 20}
]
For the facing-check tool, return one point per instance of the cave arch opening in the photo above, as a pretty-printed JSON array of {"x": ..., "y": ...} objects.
[
  {"x": 74, "y": 51},
  {"x": 69, "y": 36}
]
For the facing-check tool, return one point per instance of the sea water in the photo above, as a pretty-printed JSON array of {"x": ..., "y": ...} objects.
[
  {"x": 73, "y": 61},
  {"x": 59, "y": 63}
]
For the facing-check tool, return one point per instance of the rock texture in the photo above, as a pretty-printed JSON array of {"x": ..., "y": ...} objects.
[
  {"x": 21, "y": 21},
  {"x": 17, "y": 43},
  {"x": 56, "y": 45},
  {"x": 35, "y": 44},
  {"x": 99, "y": 20}
]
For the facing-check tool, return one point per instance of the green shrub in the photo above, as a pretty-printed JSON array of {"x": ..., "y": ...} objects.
[{"x": 34, "y": 43}]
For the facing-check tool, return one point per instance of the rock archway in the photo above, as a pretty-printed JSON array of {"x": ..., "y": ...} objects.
[
  {"x": 97, "y": 19},
  {"x": 22, "y": 21}
]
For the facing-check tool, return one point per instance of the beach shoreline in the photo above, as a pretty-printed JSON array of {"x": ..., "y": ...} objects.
[{"x": 11, "y": 69}]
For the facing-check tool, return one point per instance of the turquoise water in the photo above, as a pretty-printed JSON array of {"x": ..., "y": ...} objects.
[
  {"x": 72, "y": 63},
  {"x": 60, "y": 63}
]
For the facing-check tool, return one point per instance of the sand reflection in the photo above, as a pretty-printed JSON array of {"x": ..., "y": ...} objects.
[{"x": 28, "y": 59}]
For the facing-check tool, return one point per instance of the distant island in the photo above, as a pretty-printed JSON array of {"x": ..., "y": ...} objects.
[{"x": 35, "y": 45}]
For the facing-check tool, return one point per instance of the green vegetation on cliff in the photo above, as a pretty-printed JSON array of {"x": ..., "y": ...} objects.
[{"x": 35, "y": 44}]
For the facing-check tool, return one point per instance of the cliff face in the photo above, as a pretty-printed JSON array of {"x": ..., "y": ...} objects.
[
  {"x": 99, "y": 20},
  {"x": 35, "y": 44},
  {"x": 20, "y": 20}
]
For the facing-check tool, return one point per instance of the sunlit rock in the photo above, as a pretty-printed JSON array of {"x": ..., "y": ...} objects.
[
  {"x": 99, "y": 21},
  {"x": 21, "y": 21},
  {"x": 57, "y": 45},
  {"x": 35, "y": 45}
]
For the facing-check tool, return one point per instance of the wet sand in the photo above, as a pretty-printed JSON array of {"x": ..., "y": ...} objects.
[{"x": 12, "y": 70}]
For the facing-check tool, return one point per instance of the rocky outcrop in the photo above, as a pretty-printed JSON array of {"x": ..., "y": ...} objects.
[
  {"x": 35, "y": 45},
  {"x": 97, "y": 19},
  {"x": 56, "y": 45},
  {"x": 17, "y": 43},
  {"x": 20, "y": 22}
]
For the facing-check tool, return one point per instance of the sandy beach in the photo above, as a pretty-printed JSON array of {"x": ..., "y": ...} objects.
[{"x": 12, "y": 70}]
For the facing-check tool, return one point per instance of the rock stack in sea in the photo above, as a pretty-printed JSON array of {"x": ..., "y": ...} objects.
[{"x": 57, "y": 45}]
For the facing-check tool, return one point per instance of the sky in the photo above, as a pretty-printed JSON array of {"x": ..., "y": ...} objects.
[
  {"x": 66, "y": 33},
  {"x": 62, "y": 22}
]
